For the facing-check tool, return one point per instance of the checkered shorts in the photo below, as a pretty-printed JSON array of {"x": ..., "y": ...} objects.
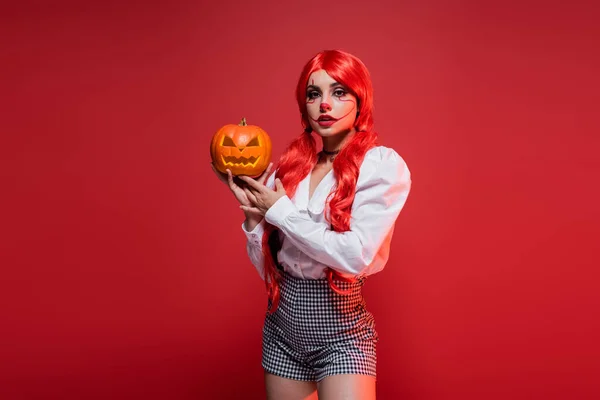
[{"x": 316, "y": 332}]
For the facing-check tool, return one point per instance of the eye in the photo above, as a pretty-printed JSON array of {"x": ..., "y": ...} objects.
[
  {"x": 253, "y": 142},
  {"x": 228, "y": 142},
  {"x": 339, "y": 92},
  {"x": 313, "y": 94}
]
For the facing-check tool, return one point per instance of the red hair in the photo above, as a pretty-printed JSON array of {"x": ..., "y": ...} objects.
[{"x": 300, "y": 157}]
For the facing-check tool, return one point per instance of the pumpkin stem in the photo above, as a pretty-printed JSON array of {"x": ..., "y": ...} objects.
[{"x": 243, "y": 123}]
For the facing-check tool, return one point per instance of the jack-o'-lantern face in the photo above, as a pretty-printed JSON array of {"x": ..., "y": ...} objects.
[{"x": 244, "y": 149}]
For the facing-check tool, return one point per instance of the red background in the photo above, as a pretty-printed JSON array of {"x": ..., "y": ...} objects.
[{"x": 124, "y": 272}]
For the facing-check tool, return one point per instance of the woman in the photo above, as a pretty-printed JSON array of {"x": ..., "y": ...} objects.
[{"x": 316, "y": 229}]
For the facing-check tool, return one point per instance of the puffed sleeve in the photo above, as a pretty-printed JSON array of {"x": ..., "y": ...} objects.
[
  {"x": 254, "y": 238},
  {"x": 382, "y": 189}
]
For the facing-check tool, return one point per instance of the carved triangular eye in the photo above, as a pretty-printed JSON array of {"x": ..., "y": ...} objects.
[
  {"x": 253, "y": 142},
  {"x": 227, "y": 141}
]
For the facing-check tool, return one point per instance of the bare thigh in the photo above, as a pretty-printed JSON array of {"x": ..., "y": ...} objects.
[
  {"x": 279, "y": 388},
  {"x": 347, "y": 387}
]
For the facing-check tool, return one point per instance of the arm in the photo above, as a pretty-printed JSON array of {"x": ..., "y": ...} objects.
[
  {"x": 379, "y": 198},
  {"x": 254, "y": 247},
  {"x": 254, "y": 230}
]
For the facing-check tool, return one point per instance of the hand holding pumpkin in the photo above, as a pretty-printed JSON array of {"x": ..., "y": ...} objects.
[
  {"x": 240, "y": 153},
  {"x": 261, "y": 197},
  {"x": 240, "y": 192}
]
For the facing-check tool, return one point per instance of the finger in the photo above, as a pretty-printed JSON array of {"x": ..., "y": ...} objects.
[
  {"x": 279, "y": 185},
  {"x": 250, "y": 195},
  {"x": 253, "y": 210},
  {"x": 257, "y": 186},
  {"x": 232, "y": 184},
  {"x": 265, "y": 174},
  {"x": 253, "y": 190}
]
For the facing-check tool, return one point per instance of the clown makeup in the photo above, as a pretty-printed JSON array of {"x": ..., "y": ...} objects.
[{"x": 331, "y": 107}]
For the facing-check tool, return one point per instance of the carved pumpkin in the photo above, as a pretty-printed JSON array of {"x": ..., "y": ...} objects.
[{"x": 244, "y": 149}]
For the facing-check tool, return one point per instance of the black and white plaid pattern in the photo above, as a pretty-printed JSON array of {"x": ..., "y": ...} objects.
[{"x": 316, "y": 332}]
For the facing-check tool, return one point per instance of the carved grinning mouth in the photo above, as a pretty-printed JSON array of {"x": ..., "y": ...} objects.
[{"x": 240, "y": 161}]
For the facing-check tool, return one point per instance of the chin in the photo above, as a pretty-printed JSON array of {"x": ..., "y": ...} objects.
[
  {"x": 325, "y": 132},
  {"x": 332, "y": 132}
]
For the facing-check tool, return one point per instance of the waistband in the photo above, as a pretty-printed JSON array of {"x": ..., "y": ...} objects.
[{"x": 294, "y": 280}]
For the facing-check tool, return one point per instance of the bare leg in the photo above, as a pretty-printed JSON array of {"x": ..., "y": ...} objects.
[
  {"x": 279, "y": 388},
  {"x": 347, "y": 387}
]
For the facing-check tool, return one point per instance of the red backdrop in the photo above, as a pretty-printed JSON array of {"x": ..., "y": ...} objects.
[{"x": 124, "y": 272}]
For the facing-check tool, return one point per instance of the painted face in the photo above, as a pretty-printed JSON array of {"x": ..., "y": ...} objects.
[{"x": 331, "y": 107}]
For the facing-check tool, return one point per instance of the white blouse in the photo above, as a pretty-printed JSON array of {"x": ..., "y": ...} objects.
[{"x": 309, "y": 245}]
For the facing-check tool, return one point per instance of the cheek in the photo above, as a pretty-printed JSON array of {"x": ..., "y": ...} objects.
[
  {"x": 346, "y": 110},
  {"x": 313, "y": 108},
  {"x": 346, "y": 104}
]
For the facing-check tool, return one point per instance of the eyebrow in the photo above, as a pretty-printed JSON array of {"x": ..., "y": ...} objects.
[{"x": 334, "y": 84}]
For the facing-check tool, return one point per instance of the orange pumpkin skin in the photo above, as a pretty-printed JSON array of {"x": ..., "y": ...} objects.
[{"x": 244, "y": 149}]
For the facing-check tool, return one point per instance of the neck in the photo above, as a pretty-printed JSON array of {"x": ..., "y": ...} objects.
[{"x": 335, "y": 143}]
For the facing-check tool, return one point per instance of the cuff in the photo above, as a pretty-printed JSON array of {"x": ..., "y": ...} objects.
[
  {"x": 280, "y": 211},
  {"x": 255, "y": 235}
]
